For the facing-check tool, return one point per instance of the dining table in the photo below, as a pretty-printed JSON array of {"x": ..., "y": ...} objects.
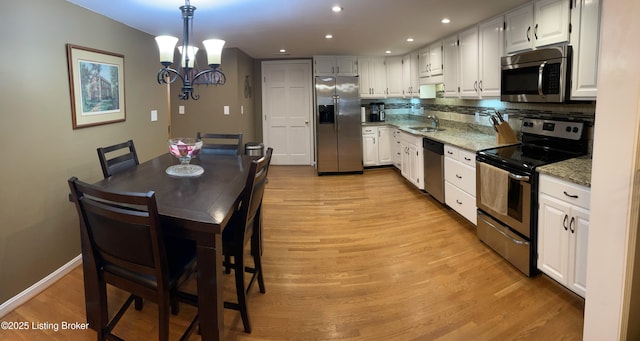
[{"x": 192, "y": 207}]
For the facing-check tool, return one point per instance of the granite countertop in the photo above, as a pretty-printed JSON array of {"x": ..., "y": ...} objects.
[
  {"x": 462, "y": 138},
  {"x": 576, "y": 170}
]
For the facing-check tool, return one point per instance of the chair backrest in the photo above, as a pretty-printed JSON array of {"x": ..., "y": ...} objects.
[
  {"x": 252, "y": 194},
  {"x": 228, "y": 144},
  {"x": 121, "y": 231},
  {"x": 120, "y": 162}
]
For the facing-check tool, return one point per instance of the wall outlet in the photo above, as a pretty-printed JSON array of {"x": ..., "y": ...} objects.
[
  {"x": 181, "y": 109},
  {"x": 226, "y": 110},
  {"x": 242, "y": 109},
  {"x": 154, "y": 115}
]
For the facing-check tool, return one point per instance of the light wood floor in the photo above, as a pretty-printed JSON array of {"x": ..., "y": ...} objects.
[{"x": 356, "y": 257}]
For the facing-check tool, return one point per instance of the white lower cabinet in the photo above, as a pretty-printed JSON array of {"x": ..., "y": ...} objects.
[
  {"x": 396, "y": 148},
  {"x": 376, "y": 146},
  {"x": 411, "y": 159},
  {"x": 460, "y": 181},
  {"x": 563, "y": 232}
]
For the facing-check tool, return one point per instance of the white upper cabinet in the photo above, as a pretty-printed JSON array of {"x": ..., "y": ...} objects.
[
  {"x": 480, "y": 50},
  {"x": 450, "y": 63},
  {"x": 394, "y": 76},
  {"x": 430, "y": 64},
  {"x": 585, "y": 39},
  {"x": 541, "y": 23},
  {"x": 551, "y": 22},
  {"x": 410, "y": 75},
  {"x": 335, "y": 66},
  {"x": 468, "y": 49},
  {"x": 491, "y": 49},
  {"x": 518, "y": 33},
  {"x": 373, "y": 77}
]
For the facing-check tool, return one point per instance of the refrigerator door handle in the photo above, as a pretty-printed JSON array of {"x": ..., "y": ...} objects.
[{"x": 336, "y": 112}]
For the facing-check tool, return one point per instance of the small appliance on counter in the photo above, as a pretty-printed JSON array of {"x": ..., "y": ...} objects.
[{"x": 376, "y": 112}]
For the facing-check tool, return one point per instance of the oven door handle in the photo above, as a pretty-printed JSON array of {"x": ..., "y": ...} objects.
[
  {"x": 524, "y": 178},
  {"x": 540, "y": 72},
  {"x": 515, "y": 241}
]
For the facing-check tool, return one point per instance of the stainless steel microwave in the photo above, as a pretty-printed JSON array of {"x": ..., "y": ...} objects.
[{"x": 541, "y": 75}]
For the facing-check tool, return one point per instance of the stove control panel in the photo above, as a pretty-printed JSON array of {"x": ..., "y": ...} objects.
[{"x": 562, "y": 129}]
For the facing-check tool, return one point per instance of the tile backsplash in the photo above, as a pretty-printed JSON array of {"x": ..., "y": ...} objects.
[{"x": 475, "y": 112}]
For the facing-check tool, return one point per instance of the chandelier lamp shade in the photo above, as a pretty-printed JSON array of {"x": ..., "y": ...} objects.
[{"x": 186, "y": 70}]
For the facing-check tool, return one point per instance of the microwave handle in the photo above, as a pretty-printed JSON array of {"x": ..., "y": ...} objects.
[{"x": 540, "y": 72}]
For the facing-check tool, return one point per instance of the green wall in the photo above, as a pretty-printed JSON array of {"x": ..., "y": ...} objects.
[
  {"x": 38, "y": 225},
  {"x": 207, "y": 113}
]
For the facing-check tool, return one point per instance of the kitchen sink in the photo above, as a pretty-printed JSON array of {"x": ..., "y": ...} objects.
[{"x": 426, "y": 129}]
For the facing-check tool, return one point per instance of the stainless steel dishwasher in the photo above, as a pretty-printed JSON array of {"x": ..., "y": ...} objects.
[{"x": 434, "y": 168}]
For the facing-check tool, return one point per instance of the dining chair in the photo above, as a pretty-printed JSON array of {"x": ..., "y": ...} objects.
[
  {"x": 125, "y": 158},
  {"x": 227, "y": 144},
  {"x": 243, "y": 228},
  {"x": 122, "y": 239}
]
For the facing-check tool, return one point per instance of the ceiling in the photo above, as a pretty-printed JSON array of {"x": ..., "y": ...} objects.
[{"x": 261, "y": 28}]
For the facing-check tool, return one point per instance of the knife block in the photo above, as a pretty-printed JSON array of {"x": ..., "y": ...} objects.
[{"x": 505, "y": 134}]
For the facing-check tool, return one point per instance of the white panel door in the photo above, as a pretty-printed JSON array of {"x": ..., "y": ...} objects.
[{"x": 287, "y": 111}]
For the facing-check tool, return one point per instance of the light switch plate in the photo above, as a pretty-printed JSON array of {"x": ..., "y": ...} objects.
[
  {"x": 181, "y": 109},
  {"x": 154, "y": 115},
  {"x": 226, "y": 110}
]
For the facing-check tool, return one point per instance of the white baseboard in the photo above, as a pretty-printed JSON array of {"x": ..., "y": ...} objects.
[{"x": 38, "y": 287}]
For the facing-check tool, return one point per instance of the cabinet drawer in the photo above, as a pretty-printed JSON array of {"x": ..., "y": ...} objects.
[
  {"x": 566, "y": 191},
  {"x": 468, "y": 158},
  {"x": 460, "y": 175},
  {"x": 451, "y": 152},
  {"x": 369, "y": 130},
  {"x": 461, "y": 202}
]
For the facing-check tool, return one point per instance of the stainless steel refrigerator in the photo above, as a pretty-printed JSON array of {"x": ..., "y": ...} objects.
[{"x": 338, "y": 126}]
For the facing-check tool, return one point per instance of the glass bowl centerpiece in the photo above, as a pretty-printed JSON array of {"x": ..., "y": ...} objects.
[{"x": 185, "y": 149}]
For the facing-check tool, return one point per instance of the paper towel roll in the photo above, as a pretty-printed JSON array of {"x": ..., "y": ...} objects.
[{"x": 363, "y": 114}]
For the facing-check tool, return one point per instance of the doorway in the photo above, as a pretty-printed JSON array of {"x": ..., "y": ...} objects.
[{"x": 287, "y": 110}]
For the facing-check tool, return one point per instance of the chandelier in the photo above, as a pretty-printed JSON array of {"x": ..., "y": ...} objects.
[{"x": 186, "y": 71}]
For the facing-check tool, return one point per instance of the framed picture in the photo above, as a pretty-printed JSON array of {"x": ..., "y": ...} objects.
[{"x": 96, "y": 81}]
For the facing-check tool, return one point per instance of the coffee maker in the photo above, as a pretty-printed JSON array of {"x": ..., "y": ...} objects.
[{"x": 376, "y": 112}]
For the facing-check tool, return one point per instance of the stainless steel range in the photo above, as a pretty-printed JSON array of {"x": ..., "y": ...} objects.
[{"x": 507, "y": 186}]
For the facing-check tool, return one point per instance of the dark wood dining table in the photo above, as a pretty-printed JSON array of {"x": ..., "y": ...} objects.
[{"x": 196, "y": 208}]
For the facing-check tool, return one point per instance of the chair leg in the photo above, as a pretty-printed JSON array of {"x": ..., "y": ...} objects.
[
  {"x": 175, "y": 306},
  {"x": 138, "y": 303},
  {"x": 163, "y": 318},
  {"x": 257, "y": 260},
  {"x": 242, "y": 295},
  {"x": 227, "y": 264}
]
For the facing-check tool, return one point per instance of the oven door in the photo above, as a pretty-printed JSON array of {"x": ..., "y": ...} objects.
[{"x": 517, "y": 213}]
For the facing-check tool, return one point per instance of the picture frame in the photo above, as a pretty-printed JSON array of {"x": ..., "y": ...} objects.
[{"x": 96, "y": 83}]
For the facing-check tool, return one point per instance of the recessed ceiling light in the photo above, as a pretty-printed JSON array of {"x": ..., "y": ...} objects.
[
  {"x": 445, "y": 20},
  {"x": 336, "y": 8},
  {"x": 387, "y": 52},
  {"x": 409, "y": 39},
  {"x": 328, "y": 36},
  {"x": 283, "y": 51}
]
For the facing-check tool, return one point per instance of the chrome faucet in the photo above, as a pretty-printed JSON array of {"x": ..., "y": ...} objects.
[{"x": 434, "y": 121}]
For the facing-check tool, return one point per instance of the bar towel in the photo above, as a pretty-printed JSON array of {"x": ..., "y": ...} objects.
[{"x": 494, "y": 187}]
